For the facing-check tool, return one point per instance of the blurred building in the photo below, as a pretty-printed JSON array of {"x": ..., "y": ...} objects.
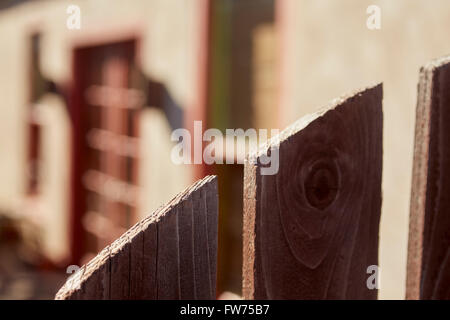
[{"x": 87, "y": 114}]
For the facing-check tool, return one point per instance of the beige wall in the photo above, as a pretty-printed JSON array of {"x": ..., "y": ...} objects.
[
  {"x": 159, "y": 178},
  {"x": 328, "y": 50},
  {"x": 12, "y": 115},
  {"x": 55, "y": 176},
  {"x": 169, "y": 51}
]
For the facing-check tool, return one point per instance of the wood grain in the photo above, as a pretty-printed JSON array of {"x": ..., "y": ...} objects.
[
  {"x": 428, "y": 270},
  {"x": 311, "y": 230},
  {"x": 171, "y": 254}
]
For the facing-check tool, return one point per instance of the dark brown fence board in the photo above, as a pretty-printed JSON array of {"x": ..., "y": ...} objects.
[
  {"x": 428, "y": 269},
  {"x": 120, "y": 270},
  {"x": 311, "y": 230},
  {"x": 201, "y": 253},
  {"x": 168, "y": 267},
  {"x": 211, "y": 196},
  {"x": 139, "y": 264},
  {"x": 186, "y": 242},
  {"x": 100, "y": 287},
  {"x": 149, "y": 261}
]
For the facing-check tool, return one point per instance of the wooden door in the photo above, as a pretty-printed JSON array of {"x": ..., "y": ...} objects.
[{"x": 104, "y": 111}]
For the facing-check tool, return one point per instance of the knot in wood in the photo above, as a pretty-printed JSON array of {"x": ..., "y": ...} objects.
[{"x": 321, "y": 184}]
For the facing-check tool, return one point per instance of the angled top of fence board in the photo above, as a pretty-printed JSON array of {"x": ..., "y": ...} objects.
[
  {"x": 171, "y": 254},
  {"x": 428, "y": 274},
  {"x": 311, "y": 229}
]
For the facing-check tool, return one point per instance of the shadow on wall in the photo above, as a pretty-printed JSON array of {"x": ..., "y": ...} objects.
[{"x": 158, "y": 96}]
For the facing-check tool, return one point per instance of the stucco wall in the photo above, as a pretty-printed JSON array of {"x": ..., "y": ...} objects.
[{"x": 55, "y": 176}]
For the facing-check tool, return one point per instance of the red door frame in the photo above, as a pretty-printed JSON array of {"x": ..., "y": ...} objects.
[{"x": 198, "y": 109}]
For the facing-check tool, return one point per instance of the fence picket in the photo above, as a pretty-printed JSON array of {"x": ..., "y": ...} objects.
[
  {"x": 311, "y": 230},
  {"x": 149, "y": 262},
  {"x": 428, "y": 269}
]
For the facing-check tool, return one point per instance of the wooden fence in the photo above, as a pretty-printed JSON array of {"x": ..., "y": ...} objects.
[{"x": 311, "y": 230}]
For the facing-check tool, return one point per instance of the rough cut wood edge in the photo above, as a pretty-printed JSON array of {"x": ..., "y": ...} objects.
[
  {"x": 252, "y": 183},
  {"x": 420, "y": 175},
  {"x": 248, "y": 241},
  {"x": 73, "y": 288},
  {"x": 303, "y": 122}
]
